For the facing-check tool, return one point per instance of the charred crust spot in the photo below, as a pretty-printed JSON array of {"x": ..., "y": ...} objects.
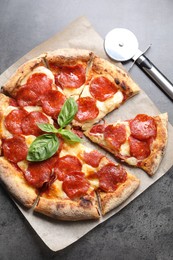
[
  {"x": 45, "y": 62},
  {"x": 117, "y": 81},
  {"x": 123, "y": 86},
  {"x": 60, "y": 206},
  {"x": 2, "y": 89},
  {"x": 84, "y": 202},
  {"x": 130, "y": 94}
]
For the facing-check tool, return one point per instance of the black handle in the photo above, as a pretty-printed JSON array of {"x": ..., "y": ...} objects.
[{"x": 148, "y": 67}]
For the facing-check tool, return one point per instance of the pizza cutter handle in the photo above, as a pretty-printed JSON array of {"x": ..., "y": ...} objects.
[{"x": 148, "y": 67}]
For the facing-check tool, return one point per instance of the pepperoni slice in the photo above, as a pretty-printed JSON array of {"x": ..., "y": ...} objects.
[
  {"x": 115, "y": 136},
  {"x": 29, "y": 123},
  {"x": 102, "y": 88},
  {"x": 15, "y": 149},
  {"x": 75, "y": 185},
  {"x": 87, "y": 109},
  {"x": 97, "y": 129},
  {"x": 14, "y": 119},
  {"x": 143, "y": 127},
  {"x": 27, "y": 97},
  {"x": 71, "y": 76},
  {"x": 110, "y": 175},
  {"x": 52, "y": 103},
  {"x": 93, "y": 158},
  {"x": 39, "y": 83},
  {"x": 12, "y": 102},
  {"x": 139, "y": 149},
  {"x": 30, "y": 94},
  {"x": 66, "y": 165},
  {"x": 39, "y": 174}
]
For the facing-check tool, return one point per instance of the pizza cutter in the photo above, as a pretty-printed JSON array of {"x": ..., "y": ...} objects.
[{"x": 122, "y": 45}]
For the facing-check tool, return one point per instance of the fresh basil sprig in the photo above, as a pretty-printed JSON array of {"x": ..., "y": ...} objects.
[
  {"x": 67, "y": 112},
  {"x": 48, "y": 128},
  {"x": 46, "y": 145},
  {"x": 70, "y": 136},
  {"x": 43, "y": 147}
]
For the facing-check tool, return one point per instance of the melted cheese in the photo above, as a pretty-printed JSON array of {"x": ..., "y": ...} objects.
[
  {"x": 40, "y": 69},
  {"x": 73, "y": 149},
  {"x": 87, "y": 169},
  {"x": 56, "y": 190},
  {"x": 132, "y": 161},
  {"x": 74, "y": 92},
  {"x": 94, "y": 184},
  {"x": 33, "y": 108},
  {"x": 4, "y": 132},
  {"x": 29, "y": 139},
  {"x": 23, "y": 165}
]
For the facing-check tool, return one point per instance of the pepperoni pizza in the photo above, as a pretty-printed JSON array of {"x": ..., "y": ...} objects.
[
  {"x": 43, "y": 163},
  {"x": 140, "y": 141}
]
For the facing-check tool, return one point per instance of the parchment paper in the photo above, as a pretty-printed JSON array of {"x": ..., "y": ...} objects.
[{"x": 80, "y": 34}]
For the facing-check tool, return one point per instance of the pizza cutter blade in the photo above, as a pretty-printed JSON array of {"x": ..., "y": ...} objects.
[{"x": 122, "y": 45}]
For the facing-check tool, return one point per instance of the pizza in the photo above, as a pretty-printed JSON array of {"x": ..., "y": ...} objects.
[
  {"x": 139, "y": 142},
  {"x": 45, "y": 107},
  {"x": 66, "y": 185}
]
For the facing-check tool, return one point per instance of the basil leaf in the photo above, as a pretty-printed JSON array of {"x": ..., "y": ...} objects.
[
  {"x": 70, "y": 136},
  {"x": 67, "y": 112},
  {"x": 47, "y": 128},
  {"x": 43, "y": 147}
]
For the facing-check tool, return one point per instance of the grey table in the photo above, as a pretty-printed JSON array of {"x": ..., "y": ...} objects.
[{"x": 144, "y": 229}]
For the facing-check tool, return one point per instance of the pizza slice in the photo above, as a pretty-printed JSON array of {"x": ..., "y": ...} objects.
[
  {"x": 33, "y": 85},
  {"x": 87, "y": 183},
  {"x": 18, "y": 129},
  {"x": 22, "y": 73},
  {"x": 107, "y": 87},
  {"x": 70, "y": 68},
  {"x": 140, "y": 141}
]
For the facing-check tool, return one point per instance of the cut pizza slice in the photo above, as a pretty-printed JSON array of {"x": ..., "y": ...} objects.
[
  {"x": 140, "y": 141},
  {"x": 33, "y": 84},
  {"x": 81, "y": 174},
  {"x": 107, "y": 87},
  {"x": 18, "y": 129},
  {"x": 21, "y": 75},
  {"x": 70, "y": 68}
]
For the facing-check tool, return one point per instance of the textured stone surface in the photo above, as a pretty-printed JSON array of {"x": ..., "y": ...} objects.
[{"x": 144, "y": 229}]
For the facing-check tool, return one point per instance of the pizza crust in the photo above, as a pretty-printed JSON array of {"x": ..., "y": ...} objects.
[
  {"x": 109, "y": 201},
  {"x": 13, "y": 83},
  {"x": 4, "y": 104},
  {"x": 122, "y": 79},
  {"x": 15, "y": 183},
  {"x": 67, "y": 57},
  {"x": 152, "y": 162},
  {"x": 69, "y": 210}
]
